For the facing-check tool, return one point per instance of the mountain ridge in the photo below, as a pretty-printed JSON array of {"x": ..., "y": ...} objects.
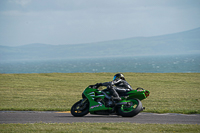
[{"x": 186, "y": 42}]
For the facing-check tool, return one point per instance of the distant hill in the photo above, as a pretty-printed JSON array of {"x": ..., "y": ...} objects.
[{"x": 187, "y": 42}]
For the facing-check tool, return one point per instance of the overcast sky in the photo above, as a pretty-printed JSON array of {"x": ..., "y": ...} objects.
[{"x": 82, "y": 21}]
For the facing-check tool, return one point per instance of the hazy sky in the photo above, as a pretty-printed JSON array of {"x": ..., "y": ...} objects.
[{"x": 81, "y": 21}]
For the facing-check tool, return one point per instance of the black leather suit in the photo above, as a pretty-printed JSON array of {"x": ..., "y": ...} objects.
[{"x": 117, "y": 85}]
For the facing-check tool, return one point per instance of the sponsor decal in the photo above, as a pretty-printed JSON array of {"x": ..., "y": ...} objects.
[{"x": 95, "y": 106}]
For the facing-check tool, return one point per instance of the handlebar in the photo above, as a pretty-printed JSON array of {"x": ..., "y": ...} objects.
[{"x": 93, "y": 86}]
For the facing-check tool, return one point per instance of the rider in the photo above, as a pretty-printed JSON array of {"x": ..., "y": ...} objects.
[{"x": 118, "y": 85}]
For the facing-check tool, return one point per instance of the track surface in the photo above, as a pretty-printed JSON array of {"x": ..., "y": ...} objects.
[{"x": 58, "y": 117}]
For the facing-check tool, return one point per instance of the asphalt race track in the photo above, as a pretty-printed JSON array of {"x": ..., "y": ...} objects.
[{"x": 59, "y": 117}]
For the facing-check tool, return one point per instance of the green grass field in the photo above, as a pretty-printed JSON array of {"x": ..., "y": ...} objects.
[
  {"x": 98, "y": 128},
  {"x": 169, "y": 92}
]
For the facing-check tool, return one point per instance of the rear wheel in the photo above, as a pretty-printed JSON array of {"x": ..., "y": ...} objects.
[
  {"x": 80, "y": 108},
  {"x": 134, "y": 107}
]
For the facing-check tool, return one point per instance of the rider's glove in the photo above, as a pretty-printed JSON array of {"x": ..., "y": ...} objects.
[{"x": 98, "y": 84}]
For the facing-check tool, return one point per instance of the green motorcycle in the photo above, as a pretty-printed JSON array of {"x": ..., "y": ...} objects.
[{"x": 98, "y": 101}]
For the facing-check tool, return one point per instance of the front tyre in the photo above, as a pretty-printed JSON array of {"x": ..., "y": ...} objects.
[
  {"x": 134, "y": 107},
  {"x": 80, "y": 108}
]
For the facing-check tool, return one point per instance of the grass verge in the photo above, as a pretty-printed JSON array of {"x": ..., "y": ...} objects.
[
  {"x": 169, "y": 92},
  {"x": 98, "y": 127}
]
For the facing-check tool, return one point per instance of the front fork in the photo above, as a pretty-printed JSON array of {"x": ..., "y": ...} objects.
[{"x": 83, "y": 101}]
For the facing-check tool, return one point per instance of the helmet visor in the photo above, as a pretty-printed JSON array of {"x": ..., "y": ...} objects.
[{"x": 114, "y": 77}]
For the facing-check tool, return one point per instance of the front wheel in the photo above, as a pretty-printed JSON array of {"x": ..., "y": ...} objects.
[
  {"x": 80, "y": 108},
  {"x": 134, "y": 107}
]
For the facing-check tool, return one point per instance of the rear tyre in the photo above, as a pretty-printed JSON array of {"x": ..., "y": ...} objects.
[
  {"x": 80, "y": 108},
  {"x": 132, "y": 109}
]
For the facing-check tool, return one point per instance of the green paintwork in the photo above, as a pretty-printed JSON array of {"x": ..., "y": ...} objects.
[
  {"x": 139, "y": 94},
  {"x": 93, "y": 94}
]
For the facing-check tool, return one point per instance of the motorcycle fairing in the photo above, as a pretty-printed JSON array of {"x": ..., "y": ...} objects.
[
  {"x": 139, "y": 94},
  {"x": 93, "y": 94}
]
